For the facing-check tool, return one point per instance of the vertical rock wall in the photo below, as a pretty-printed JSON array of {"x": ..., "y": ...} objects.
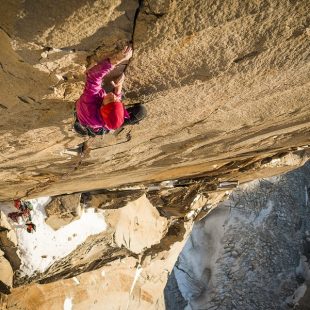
[{"x": 221, "y": 81}]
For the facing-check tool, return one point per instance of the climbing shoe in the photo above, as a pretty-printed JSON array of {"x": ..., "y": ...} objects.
[
  {"x": 80, "y": 129},
  {"x": 136, "y": 112}
]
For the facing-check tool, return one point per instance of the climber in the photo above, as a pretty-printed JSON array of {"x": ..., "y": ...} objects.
[
  {"x": 98, "y": 112},
  {"x": 24, "y": 208}
]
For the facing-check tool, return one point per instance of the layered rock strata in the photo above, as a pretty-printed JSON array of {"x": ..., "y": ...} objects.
[{"x": 131, "y": 260}]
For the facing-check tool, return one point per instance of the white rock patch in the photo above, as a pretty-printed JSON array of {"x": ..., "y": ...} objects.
[{"x": 68, "y": 304}]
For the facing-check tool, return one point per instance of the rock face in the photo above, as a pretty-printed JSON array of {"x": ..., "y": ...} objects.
[
  {"x": 222, "y": 83},
  {"x": 6, "y": 274},
  {"x": 139, "y": 226},
  {"x": 226, "y": 86},
  {"x": 252, "y": 251},
  {"x": 8, "y": 243},
  {"x": 127, "y": 265},
  {"x": 45, "y": 49},
  {"x": 9, "y": 259},
  {"x": 63, "y": 210}
]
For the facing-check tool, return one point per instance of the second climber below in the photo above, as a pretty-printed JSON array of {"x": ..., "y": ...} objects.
[{"x": 98, "y": 112}]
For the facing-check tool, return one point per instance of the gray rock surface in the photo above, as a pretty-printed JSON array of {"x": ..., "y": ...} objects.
[{"x": 252, "y": 251}]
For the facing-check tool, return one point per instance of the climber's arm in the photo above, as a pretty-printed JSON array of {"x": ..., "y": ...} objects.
[
  {"x": 96, "y": 74},
  {"x": 118, "y": 85},
  {"x": 124, "y": 55}
]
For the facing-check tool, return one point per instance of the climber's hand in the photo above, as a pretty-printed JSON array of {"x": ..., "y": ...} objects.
[
  {"x": 127, "y": 52},
  {"x": 124, "y": 55}
]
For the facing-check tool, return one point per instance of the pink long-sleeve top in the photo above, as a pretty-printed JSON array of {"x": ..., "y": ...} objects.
[{"x": 88, "y": 105}]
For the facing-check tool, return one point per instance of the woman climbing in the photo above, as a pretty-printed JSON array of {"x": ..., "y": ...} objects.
[{"x": 98, "y": 112}]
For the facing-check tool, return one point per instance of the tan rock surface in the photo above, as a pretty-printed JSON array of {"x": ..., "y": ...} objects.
[
  {"x": 6, "y": 273},
  {"x": 139, "y": 226},
  {"x": 101, "y": 274},
  {"x": 138, "y": 229},
  {"x": 226, "y": 86},
  {"x": 8, "y": 245},
  {"x": 3, "y": 301},
  {"x": 221, "y": 82},
  {"x": 121, "y": 279},
  {"x": 112, "y": 284},
  {"x": 4, "y": 223},
  {"x": 62, "y": 210},
  {"x": 110, "y": 287}
]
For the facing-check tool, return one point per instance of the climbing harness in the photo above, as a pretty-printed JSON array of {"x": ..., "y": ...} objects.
[{"x": 87, "y": 131}]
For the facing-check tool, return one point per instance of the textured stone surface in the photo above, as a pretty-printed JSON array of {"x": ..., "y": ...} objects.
[
  {"x": 8, "y": 244},
  {"x": 41, "y": 74},
  {"x": 6, "y": 274},
  {"x": 220, "y": 82},
  {"x": 252, "y": 251},
  {"x": 130, "y": 216},
  {"x": 63, "y": 210},
  {"x": 226, "y": 86},
  {"x": 8, "y": 256},
  {"x": 127, "y": 265},
  {"x": 139, "y": 226},
  {"x": 105, "y": 288},
  {"x": 3, "y": 301},
  {"x": 4, "y": 223}
]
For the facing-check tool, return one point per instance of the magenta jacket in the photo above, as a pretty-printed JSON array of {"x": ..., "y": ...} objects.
[{"x": 88, "y": 105}]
